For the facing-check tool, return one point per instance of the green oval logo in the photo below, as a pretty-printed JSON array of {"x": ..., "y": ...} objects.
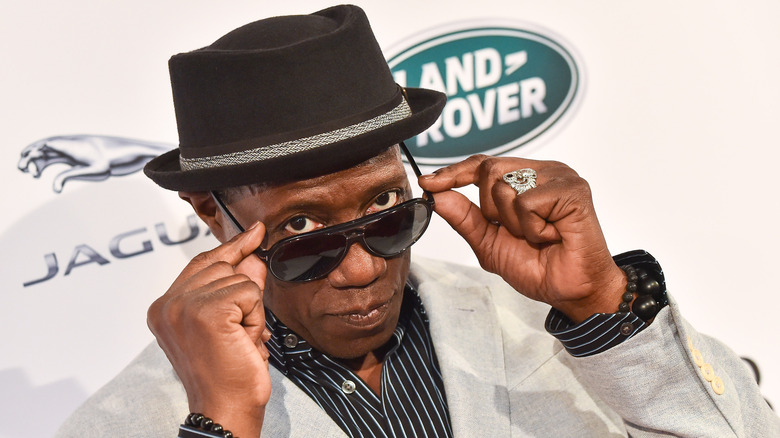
[{"x": 505, "y": 87}]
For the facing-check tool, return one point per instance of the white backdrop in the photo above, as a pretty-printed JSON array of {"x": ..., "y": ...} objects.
[{"x": 675, "y": 130}]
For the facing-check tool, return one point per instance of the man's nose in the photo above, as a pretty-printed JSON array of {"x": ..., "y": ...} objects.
[{"x": 358, "y": 268}]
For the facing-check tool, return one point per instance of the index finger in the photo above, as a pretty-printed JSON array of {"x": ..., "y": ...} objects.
[
  {"x": 455, "y": 175},
  {"x": 473, "y": 170},
  {"x": 233, "y": 251}
]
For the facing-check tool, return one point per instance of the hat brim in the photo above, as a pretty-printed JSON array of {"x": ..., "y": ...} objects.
[{"x": 426, "y": 106}]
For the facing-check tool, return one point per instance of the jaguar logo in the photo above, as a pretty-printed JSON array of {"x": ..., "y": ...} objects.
[{"x": 90, "y": 157}]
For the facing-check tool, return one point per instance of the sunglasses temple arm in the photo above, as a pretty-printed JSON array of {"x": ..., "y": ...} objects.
[
  {"x": 415, "y": 168},
  {"x": 410, "y": 159},
  {"x": 226, "y": 212}
]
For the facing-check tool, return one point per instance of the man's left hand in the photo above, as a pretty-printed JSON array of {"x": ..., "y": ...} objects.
[{"x": 546, "y": 242}]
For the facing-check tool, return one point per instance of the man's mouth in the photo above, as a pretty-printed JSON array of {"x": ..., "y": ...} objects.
[{"x": 366, "y": 318}]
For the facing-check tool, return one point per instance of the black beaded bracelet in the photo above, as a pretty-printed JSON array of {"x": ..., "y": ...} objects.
[
  {"x": 645, "y": 306},
  {"x": 199, "y": 421}
]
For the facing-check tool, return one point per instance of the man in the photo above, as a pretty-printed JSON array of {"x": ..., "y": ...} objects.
[{"x": 311, "y": 319}]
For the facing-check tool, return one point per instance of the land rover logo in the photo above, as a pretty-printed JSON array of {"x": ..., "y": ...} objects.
[{"x": 505, "y": 87}]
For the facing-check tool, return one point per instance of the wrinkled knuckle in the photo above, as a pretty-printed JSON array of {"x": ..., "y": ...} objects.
[
  {"x": 524, "y": 208},
  {"x": 491, "y": 167},
  {"x": 221, "y": 265},
  {"x": 171, "y": 311},
  {"x": 241, "y": 277},
  {"x": 522, "y": 204},
  {"x": 165, "y": 312},
  {"x": 565, "y": 169},
  {"x": 153, "y": 315},
  {"x": 491, "y": 163},
  {"x": 479, "y": 158},
  {"x": 580, "y": 190},
  {"x": 245, "y": 283},
  {"x": 582, "y": 186}
]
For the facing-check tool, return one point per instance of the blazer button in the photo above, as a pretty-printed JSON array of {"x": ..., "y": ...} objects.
[
  {"x": 698, "y": 359},
  {"x": 708, "y": 372},
  {"x": 718, "y": 386}
]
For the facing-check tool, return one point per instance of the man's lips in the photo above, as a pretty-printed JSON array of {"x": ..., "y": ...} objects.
[{"x": 365, "y": 317}]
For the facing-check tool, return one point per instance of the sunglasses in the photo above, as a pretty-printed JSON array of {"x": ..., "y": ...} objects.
[{"x": 314, "y": 255}]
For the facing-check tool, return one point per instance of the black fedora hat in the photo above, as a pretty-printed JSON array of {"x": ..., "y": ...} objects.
[{"x": 287, "y": 98}]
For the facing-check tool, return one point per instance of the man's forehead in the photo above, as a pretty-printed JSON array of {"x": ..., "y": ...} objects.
[
  {"x": 366, "y": 179},
  {"x": 386, "y": 164},
  {"x": 334, "y": 197},
  {"x": 389, "y": 157}
]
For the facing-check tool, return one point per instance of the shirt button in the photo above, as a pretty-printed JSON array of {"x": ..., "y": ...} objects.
[
  {"x": 290, "y": 341},
  {"x": 348, "y": 387},
  {"x": 697, "y": 357},
  {"x": 626, "y": 328},
  {"x": 718, "y": 386},
  {"x": 708, "y": 372}
]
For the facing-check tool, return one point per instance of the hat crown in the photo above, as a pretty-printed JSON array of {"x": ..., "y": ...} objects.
[
  {"x": 274, "y": 32},
  {"x": 286, "y": 98},
  {"x": 329, "y": 75}
]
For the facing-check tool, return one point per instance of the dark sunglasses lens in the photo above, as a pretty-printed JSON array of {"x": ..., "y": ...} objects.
[
  {"x": 308, "y": 258},
  {"x": 397, "y": 231}
]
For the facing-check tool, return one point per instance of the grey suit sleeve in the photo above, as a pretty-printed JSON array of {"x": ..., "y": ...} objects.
[
  {"x": 146, "y": 400},
  {"x": 669, "y": 379}
]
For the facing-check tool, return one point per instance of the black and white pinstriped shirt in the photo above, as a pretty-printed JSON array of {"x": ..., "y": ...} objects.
[{"x": 412, "y": 400}]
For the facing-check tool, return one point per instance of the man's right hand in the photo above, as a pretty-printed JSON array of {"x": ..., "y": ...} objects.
[{"x": 211, "y": 325}]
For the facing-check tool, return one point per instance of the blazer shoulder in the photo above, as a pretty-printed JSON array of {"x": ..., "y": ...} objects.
[{"x": 146, "y": 389}]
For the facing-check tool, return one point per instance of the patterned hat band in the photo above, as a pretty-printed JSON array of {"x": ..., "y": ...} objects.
[{"x": 291, "y": 147}]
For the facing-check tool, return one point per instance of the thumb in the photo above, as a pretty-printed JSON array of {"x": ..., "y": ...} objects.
[{"x": 464, "y": 217}]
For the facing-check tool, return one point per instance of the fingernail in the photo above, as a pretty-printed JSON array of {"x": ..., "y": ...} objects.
[
  {"x": 428, "y": 176},
  {"x": 254, "y": 225},
  {"x": 266, "y": 334}
]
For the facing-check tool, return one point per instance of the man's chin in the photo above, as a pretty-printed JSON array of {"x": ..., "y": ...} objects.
[
  {"x": 355, "y": 356},
  {"x": 359, "y": 348}
]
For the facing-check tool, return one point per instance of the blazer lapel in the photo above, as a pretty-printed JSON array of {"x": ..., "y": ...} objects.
[
  {"x": 292, "y": 413},
  {"x": 468, "y": 345}
]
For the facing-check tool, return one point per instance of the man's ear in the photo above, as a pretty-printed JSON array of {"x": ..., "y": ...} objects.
[{"x": 206, "y": 209}]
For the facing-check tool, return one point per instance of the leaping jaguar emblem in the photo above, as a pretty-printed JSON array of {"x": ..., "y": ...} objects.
[{"x": 91, "y": 157}]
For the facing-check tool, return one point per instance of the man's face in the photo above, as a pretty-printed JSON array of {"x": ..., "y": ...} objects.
[{"x": 355, "y": 308}]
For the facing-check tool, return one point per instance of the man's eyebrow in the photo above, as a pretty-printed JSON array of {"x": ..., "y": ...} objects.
[{"x": 315, "y": 205}]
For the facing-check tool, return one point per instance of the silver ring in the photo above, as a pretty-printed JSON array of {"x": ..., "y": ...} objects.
[{"x": 521, "y": 180}]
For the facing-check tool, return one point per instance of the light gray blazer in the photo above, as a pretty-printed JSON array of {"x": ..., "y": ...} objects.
[{"x": 503, "y": 375}]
